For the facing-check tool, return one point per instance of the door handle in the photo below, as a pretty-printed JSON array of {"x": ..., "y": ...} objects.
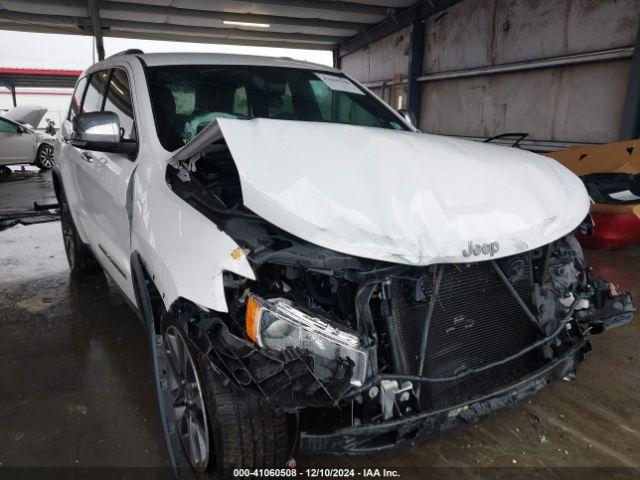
[{"x": 88, "y": 156}]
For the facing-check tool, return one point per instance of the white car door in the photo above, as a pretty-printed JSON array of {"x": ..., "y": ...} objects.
[
  {"x": 16, "y": 143},
  {"x": 79, "y": 166},
  {"x": 104, "y": 182}
]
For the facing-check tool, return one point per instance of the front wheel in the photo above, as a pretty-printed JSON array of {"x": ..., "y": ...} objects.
[
  {"x": 220, "y": 428},
  {"x": 44, "y": 157}
]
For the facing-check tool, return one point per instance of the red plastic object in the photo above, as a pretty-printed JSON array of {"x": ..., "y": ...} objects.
[{"x": 612, "y": 230}]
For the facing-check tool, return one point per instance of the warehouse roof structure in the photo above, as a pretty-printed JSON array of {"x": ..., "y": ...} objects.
[
  {"x": 336, "y": 25},
  {"x": 343, "y": 26}
]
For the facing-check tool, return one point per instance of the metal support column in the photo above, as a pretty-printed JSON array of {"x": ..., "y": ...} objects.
[
  {"x": 630, "y": 128},
  {"x": 96, "y": 27},
  {"x": 416, "y": 60},
  {"x": 337, "y": 60}
]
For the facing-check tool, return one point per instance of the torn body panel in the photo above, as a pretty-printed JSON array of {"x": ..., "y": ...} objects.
[
  {"x": 286, "y": 379},
  {"x": 462, "y": 379},
  {"x": 184, "y": 252}
]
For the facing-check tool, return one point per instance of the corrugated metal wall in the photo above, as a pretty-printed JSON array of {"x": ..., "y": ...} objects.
[
  {"x": 382, "y": 60},
  {"x": 576, "y": 103}
]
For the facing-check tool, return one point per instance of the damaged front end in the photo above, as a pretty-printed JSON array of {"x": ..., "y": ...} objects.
[{"x": 371, "y": 355}]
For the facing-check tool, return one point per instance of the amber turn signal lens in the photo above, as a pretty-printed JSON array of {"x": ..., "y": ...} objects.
[{"x": 252, "y": 317}]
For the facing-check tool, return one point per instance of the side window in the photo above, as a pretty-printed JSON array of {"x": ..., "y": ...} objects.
[
  {"x": 76, "y": 99},
  {"x": 95, "y": 92},
  {"x": 119, "y": 102},
  {"x": 7, "y": 127}
]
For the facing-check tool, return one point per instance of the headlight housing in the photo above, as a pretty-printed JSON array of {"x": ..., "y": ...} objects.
[{"x": 276, "y": 324}]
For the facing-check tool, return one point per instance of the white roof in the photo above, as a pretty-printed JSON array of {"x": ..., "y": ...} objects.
[{"x": 157, "y": 59}]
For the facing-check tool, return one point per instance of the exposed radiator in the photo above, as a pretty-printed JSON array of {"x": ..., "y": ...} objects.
[{"x": 476, "y": 321}]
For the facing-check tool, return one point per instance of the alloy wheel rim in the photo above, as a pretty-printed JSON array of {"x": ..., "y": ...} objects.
[
  {"x": 190, "y": 416},
  {"x": 46, "y": 156}
]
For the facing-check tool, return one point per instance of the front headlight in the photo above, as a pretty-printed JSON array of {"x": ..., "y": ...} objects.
[{"x": 276, "y": 324}]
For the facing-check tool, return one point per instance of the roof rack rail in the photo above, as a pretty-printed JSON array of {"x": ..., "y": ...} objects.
[{"x": 130, "y": 51}]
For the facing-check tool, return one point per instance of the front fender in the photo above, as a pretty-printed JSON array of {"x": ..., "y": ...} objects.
[{"x": 184, "y": 252}]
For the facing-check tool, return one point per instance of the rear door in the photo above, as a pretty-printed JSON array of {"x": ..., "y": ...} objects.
[{"x": 16, "y": 144}]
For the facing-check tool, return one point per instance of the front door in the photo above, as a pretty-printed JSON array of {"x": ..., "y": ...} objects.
[
  {"x": 114, "y": 185},
  {"x": 104, "y": 180}
]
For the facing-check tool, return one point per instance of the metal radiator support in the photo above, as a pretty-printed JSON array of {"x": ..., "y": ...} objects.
[{"x": 427, "y": 321}]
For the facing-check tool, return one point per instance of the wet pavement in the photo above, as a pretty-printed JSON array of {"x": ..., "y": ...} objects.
[
  {"x": 24, "y": 187},
  {"x": 23, "y": 194},
  {"x": 75, "y": 382},
  {"x": 76, "y": 389}
]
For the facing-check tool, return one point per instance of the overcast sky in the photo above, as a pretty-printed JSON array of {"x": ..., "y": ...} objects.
[{"x": 75, "y": 52}]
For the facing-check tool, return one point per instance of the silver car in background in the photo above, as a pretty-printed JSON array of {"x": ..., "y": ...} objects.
[{"x": 21, "y": 143}]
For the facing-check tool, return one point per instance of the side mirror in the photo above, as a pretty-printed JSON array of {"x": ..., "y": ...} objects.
[
  {"x": 99, "y": 131},
  {"x": 408, "y": 116}
]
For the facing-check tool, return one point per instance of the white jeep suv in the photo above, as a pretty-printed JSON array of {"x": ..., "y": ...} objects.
[{"x": 313, "y": 272}]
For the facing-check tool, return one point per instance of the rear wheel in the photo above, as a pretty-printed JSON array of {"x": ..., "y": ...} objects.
[
  {"x": 220, "y": 428},
  {"x": 81, "y": 259},
  {"x": 44, "y": 157}
]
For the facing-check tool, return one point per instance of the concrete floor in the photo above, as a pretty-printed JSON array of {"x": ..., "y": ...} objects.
[
  {"x": 76, "y": 390},
  {"x": 26, "y": 185},
  {"x": 21, "y": 191}
]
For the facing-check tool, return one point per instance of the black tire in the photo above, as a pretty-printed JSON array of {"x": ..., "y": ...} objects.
[
  {"x": 243, "y": 431},
  {"x": 248, "y": 434},
  {"x": 81, "y": 259},
  {"x": 44, "y": 157}
]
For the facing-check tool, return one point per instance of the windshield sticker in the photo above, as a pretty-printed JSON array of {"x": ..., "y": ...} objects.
[{"x": 339, "y": 84}]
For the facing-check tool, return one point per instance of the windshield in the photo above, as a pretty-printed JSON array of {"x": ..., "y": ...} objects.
[{"x": 186, "y": 99}]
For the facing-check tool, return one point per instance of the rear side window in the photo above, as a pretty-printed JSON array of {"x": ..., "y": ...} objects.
[
  {"x": 119, "y": 102},
  {"x": 95, "y": 92},
  {"x": 76, "y": 99}
]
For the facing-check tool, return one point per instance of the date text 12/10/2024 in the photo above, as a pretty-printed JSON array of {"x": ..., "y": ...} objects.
[{"x": 316, "y": 473}]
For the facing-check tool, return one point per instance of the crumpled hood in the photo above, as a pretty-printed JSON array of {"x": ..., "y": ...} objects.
[
  {"x": 27, "y": 114},
  {"x": 399, "y": 196}
]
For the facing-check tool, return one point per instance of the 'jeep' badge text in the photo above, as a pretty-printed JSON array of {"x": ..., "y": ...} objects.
[{"x": 481, "y": 249}]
